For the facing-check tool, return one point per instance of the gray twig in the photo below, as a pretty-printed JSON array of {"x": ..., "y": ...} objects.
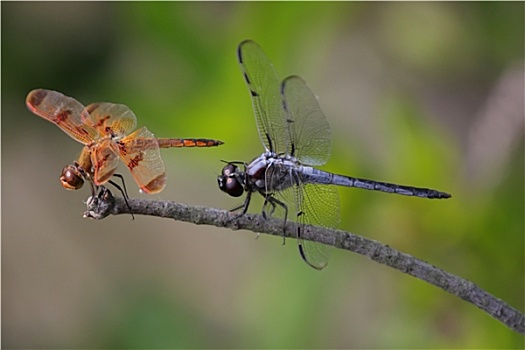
[{"x": 105, "y": 204}]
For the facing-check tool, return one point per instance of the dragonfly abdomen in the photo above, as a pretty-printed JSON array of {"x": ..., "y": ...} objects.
[
  {"x": 387, "y": 187},
  {"x": 312, "y": 175},
  {"x": 167, "y": 142}
]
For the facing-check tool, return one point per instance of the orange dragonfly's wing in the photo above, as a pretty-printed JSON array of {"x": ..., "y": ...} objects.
[
  {"x": 141, "y": 154},
  {"x": 66, "y": 112},
  {"x": 114, "y": 120},
  {"x": 104, "y": 157}
]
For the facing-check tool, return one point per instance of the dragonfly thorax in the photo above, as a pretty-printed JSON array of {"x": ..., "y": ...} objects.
[{"x": 271, "y": 172}]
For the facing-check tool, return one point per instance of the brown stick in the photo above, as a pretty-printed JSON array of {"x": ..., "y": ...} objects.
[{"x": 105, "y": 204}]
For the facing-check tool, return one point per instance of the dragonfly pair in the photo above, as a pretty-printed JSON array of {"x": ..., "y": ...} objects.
[{"x": 293, "y": 129}]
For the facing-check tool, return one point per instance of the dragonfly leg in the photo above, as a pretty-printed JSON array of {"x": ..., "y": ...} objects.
[
  {"x": 235, "y": 162},
  {"x": 267, "y": 202},
  {"x": 123, "y": 191},
  {"x": 237, "y": 208},
  {"x": 244, "y": 207},
  {"x": 93, "y": 189},
  {"x": 80, "y": 175},
  {"x": 274, "y": 202}
]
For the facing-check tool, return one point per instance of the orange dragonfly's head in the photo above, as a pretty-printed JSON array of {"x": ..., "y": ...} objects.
[{"x": 72, "y": 177}]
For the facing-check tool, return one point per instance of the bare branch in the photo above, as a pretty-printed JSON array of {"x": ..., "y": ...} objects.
[{"x": 105, "y": 204}]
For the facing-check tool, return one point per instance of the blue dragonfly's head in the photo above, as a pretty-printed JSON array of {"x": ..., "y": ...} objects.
[{"x": 231, "y": 180}]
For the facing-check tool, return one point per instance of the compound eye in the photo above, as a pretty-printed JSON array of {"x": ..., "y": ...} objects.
[
  {"x": 229, "y": 169},
  {"x": 71, "y": 178},
  {"x": 230, "y": 185}
]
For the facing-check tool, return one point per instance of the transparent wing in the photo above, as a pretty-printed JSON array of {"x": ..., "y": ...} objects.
[
  {"x": 112, "y": 119},
  {"x": 66, "y": 112},
  {"x": 141, "y": 154},
  {"x": 318, "y": 205},
  {"x": 310, "y": 204},
  {"x": 309, "y": 130},
  {"x": 104, "y": 157},
  {"x": 264, "y": 85}
]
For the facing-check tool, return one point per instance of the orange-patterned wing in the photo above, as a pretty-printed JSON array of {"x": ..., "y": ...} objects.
[
  {"x": 111, "y": 119},
  {"x": 104, "y": 157},
  {"x": 66, "y": 112},
  {"x": 141, "y": 154}
]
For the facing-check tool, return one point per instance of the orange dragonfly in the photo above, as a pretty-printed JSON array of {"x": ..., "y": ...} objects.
[{"x": 106, "y": 130}]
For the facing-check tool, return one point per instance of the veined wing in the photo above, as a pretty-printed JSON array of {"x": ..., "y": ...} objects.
[
  {"x": 104, "y": 157},
  {"x": 111, "y": 119},
  {"x": 66, "y": 112},
  {"x": 318, "y": 206},
  {"x": 309, "y": 129},
  {"x": 140, "y": 152},
  {"x": 263, "y": 84}
]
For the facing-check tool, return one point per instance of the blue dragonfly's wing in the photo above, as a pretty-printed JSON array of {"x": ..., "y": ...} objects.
[
  {"x": 308, "y": 128},
  {"x": 264, "y": 86}
]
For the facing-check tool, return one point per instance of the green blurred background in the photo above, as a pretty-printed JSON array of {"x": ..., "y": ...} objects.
[{"x": 426, "y": 94}]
